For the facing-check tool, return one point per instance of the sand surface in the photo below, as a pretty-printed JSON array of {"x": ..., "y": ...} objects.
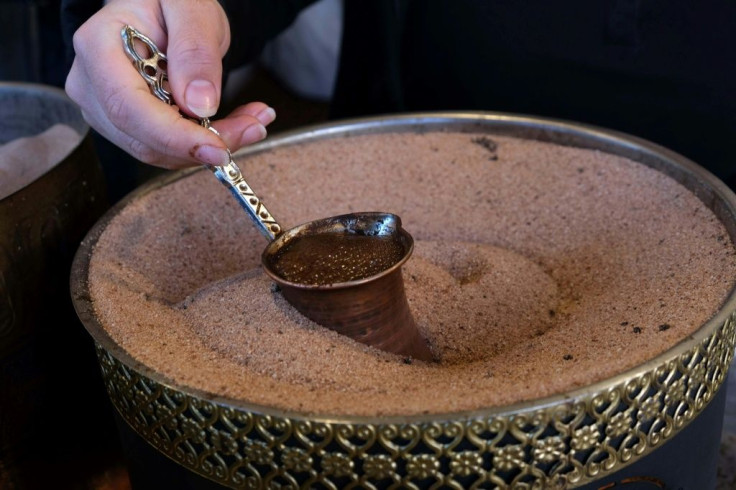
[
  {"x": 537, "y": 269},
  {"x": 24, "y": 160}
]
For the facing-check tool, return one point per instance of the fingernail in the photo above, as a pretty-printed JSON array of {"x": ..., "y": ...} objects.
[
  {"x": 253, "y": 133},
  {"x": 212, "y": 155},
  {"x": 201, "y": 98},
  {"x": 266, "y": 116}
]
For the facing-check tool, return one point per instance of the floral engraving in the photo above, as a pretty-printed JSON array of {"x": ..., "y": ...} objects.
[
  {"x": 338, "y": 464},
  {"x": 509, "y": 457},
  {"x": 649, "y": 409},
  {"x": 697, "y": 375},
  {"x": 257, "y": 452},
  {"x": 675, "y": 392},
  {"x": 192, "y": 430},
  {"x": 378, "y": 466},
  {"x": 223, "y": 442},
  {"x": 585, "y": 437},
  {"x": 549, "y": 450},
  {"x": 296, "y": 459},
  {"x": 421, "y": 466},
  {"x": 466, "y": 463},
  {"x": 618, "y": 425}
]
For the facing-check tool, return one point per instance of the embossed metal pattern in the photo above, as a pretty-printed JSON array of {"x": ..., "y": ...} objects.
[
  {"x": 152, "y": 67},
  {"x": 231, "y": 176},
  {"x": 562, "y": 445}
]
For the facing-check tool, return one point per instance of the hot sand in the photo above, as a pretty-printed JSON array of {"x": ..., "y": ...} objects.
[{"x": 537, "y": 269}]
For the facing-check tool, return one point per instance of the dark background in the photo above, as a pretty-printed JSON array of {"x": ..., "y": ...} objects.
[{"x": 32, "y": 50}]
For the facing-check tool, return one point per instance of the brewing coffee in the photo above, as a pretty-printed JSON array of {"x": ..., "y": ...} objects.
[{"x": 330, "y": 258}]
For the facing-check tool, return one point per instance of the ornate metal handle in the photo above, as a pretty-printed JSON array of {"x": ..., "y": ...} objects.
[{"x": 153, "y": 71}]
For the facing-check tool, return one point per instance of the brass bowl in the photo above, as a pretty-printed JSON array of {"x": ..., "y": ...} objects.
[
  {"x": 637, "y": 427},
  {"x": 41, "y": 225}
]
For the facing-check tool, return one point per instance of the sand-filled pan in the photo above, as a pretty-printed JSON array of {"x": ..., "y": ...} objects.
[{"x": 537, "y": 246}]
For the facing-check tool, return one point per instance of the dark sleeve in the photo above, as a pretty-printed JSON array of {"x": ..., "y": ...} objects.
[
  {"x": 253, "y": 23},
  {"x": 74, "y": 13}
]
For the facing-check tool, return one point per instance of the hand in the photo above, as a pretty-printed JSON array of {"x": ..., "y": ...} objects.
[{"x": 116, "y": 101}]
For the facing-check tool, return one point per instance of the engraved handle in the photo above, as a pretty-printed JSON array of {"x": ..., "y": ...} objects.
[{"x": 153, "y": 71}]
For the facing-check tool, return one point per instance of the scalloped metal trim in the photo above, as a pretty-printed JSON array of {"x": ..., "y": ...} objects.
[{"x": 561, "y": 446}]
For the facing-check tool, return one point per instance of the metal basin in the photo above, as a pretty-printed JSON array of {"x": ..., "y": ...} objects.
[
  {"x": 41, "y": 226},
  {"x": 637, "y": 428}
]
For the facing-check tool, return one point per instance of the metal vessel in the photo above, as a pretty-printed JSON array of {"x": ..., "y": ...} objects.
[
  {"x": 637, "y": 428},
  {"x": 41, "y": 225}
]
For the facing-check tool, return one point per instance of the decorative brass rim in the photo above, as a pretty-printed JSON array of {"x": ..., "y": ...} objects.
[
  {"x": 558, "y": 446},
  {"x": 562, "y": 441}
]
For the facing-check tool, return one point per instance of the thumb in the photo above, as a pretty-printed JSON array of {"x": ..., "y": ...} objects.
[{"x": 198, "y": 37}]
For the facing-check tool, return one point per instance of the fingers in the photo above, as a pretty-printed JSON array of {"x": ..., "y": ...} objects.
[
  {"x": 245, "y": 125},
  {"x": 180, "y": 143},
  {"x": 116, "y": 101},
  {"x": 195, "y": 53}
]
